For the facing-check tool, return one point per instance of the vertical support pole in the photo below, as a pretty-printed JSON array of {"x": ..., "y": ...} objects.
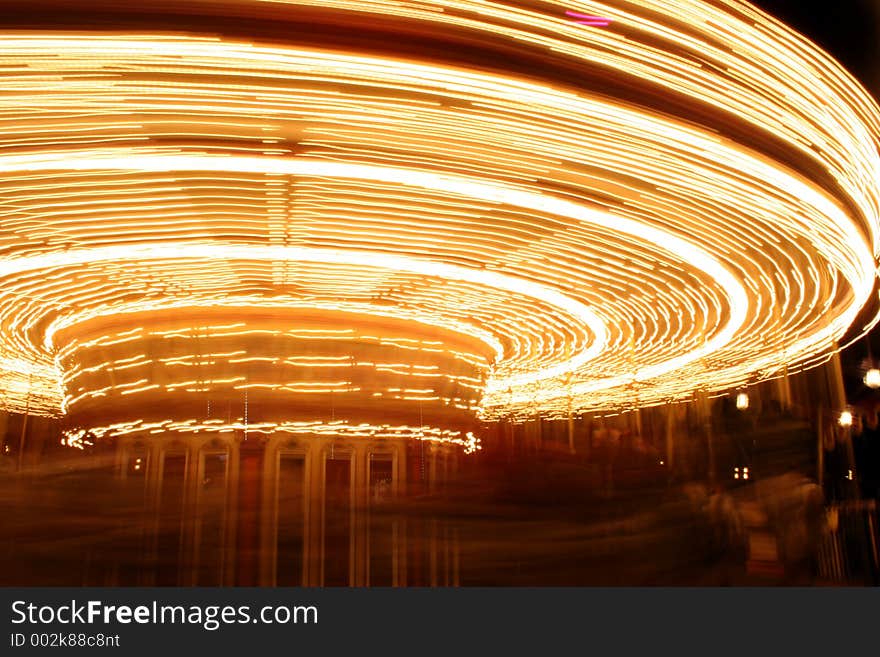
[
  {"x": 360, "y": 463},
  {"x": 250, "y": 512},
  {"x": 4, "y": 425},
  {"x": 705, "y": 409},
  {"x": 24, "y": 424},
  {"x": 232, "y": 490},
  {"x": 710, "y": 439},
  {"x": 269, "y": 524},
  {"x": 21, "y": 438},
  {"x": 315, "y": 532}
]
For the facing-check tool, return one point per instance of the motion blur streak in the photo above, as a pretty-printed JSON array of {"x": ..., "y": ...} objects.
[{"x": 610, "y": 253}]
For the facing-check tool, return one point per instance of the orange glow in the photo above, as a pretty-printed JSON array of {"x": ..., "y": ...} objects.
[{"x": 603, "y": 254}]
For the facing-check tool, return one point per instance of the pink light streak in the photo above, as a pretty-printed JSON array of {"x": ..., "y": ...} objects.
[{"x": 586, "y": 19}]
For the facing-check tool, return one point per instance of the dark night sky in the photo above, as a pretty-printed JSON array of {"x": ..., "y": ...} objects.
[{"x": 847, "y": 29}]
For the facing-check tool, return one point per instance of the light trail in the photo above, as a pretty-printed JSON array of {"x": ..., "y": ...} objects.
[{"x": 607, "y": 253}]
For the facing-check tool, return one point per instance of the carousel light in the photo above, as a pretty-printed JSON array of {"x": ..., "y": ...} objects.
[
  {"x": 742, "y": 401},
  {"x": 845, "y": 419},
  {"x": 872, "y": 378},
  {"x": 587, "y": 242}
]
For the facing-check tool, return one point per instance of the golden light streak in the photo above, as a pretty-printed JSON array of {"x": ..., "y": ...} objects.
[{"x": 79, "y": 437}]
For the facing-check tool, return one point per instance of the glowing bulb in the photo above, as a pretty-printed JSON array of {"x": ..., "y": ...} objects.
[
  {"x": 872, "y": 378},
  {"x": 742, "y": 401},
  {"x": 845, "y": 419}
]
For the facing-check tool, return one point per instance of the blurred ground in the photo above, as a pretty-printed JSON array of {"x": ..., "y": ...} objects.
[{"x": 528, "y": 521}]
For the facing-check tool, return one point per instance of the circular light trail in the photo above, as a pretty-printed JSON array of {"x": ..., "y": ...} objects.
[{"x": 684, "y": 198}]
